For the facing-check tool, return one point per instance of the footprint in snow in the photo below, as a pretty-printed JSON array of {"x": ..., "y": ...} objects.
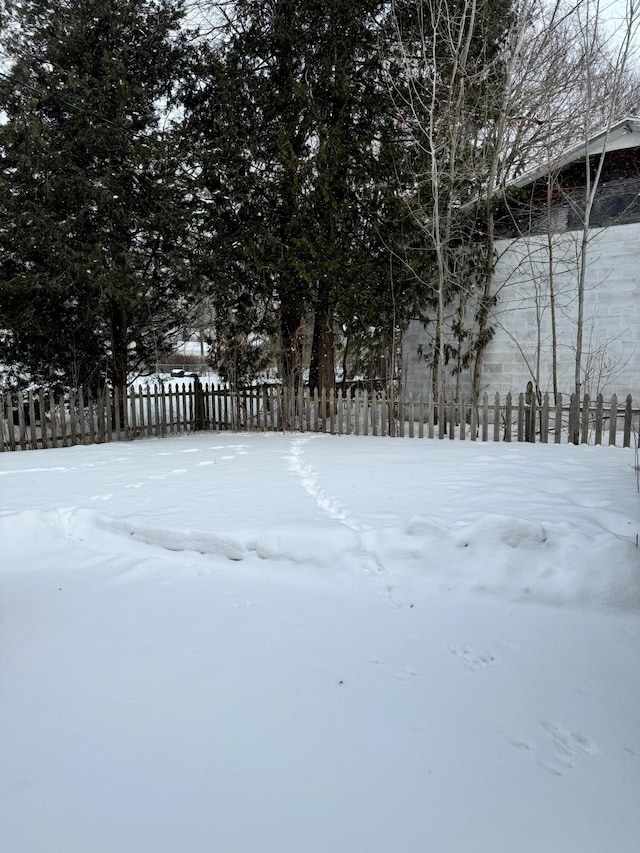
[
  {"x": 473, "y": 659},
  {"x": 561, "y": 748},
  {"x": 565, "y": 747},
  {"x": 405, "y": 674}
]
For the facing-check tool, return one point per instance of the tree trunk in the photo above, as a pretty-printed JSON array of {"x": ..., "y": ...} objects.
[
  {"x": 120, "y": 364},
  {"x": 291, "y": 342},
  {"x": 322, "y": 366}
]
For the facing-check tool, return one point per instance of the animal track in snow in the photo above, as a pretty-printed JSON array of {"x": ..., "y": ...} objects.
[
  {"x": 560, "y": 749},
  {"x": 565, "y": 747},
  {"x": 336, "y": 510},
  {"x": 309, "y": 480},
  {"x": 473, "y": 659},
  {"x": 405, "y": 674}
]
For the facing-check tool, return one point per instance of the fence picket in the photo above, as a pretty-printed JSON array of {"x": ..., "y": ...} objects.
[
  {"x": 2, "y": 422},
  {"x": 332, "y": 412},
  {"x": 91, "y": 433},
  {"x": 62, "y": 406},
  {"x": 485, "y": 417},
  {"x": 508, "y": 417},
  {"x": 33, "y": 434},
  {"x": 8, "y": 407},
  {"x": 108, "y": 408},
  {"x": 40, "y": 419},
  {"x": 544, "y": 419},
  {"x": 384, "y": 414},
  {"x": 613, "y": 418},
  {"x": 22, "y": 428},
  {"x": 628, "y": 415},
  {"x": 521, "y": 417},
  {"x": 585, "y": 419},
  {"x": 44, "y": 441},
  {"x": 557, "y": 438},
  {"x": 599, "y": 419}
]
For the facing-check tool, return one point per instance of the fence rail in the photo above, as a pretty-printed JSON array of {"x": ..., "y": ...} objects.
[{"x": 43, "y": 418}]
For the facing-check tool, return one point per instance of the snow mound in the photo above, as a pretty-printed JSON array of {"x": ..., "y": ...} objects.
[
  {"x": 517, "y": 558},
  {"x": 497, "y": 554},
  {"x": 502, "y": 530},
  {"x": 321, "y": 544}
]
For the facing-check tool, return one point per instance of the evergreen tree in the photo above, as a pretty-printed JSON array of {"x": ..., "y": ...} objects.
[
  {"x": 96, "y": 262},
  {"x": 297, "y": 139}
]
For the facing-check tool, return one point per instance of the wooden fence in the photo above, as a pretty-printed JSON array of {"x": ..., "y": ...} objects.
[{"x": 43, "y": 418}]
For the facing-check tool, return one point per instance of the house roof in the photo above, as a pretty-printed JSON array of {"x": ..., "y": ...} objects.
[{"x": 625, "y": 133}]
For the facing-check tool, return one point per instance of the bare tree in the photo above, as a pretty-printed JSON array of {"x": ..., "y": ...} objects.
[{"x": 616, "y": 63}]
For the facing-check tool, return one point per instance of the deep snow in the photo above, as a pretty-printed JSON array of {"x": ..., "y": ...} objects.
[{"x": 251, "y": 643}]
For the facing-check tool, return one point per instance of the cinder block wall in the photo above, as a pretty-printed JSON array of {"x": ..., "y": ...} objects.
[{"x": 522, "y": 344}]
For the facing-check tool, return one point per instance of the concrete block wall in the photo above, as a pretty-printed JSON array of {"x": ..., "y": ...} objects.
[{"x": 522, "y": 344}]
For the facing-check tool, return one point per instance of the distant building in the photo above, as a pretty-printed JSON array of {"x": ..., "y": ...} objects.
[{"x": 539, "y": 232}]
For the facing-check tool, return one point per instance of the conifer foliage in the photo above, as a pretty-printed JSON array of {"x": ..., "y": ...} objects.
[
  {"x": 297, "y": 142},
  {"x": 95, "y": 255}
]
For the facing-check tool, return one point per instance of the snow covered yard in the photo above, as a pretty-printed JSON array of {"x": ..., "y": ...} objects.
[{"x": 302, "y": 644}]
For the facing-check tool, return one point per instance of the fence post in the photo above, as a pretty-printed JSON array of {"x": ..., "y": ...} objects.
[
  {"x": 528, "y": 404},
  {"x": 574, "y": 419},
  {"x": 199, "y": 404},
  {"x": 521, "y": 417}
]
